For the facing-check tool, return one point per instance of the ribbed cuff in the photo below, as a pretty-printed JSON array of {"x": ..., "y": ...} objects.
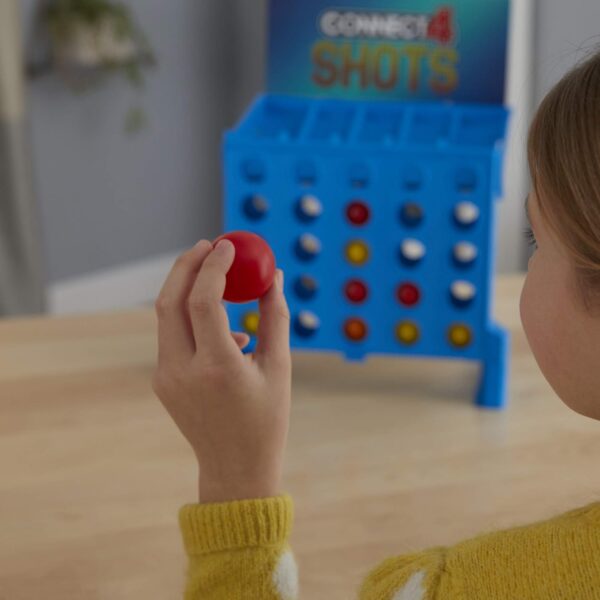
[{"x": 240, "y": 524}]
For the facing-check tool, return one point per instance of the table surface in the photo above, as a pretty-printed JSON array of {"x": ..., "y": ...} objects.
[{"x": 384, "y": 457}]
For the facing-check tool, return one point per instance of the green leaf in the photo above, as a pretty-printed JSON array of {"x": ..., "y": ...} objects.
[{"x": 135, "y": 120}]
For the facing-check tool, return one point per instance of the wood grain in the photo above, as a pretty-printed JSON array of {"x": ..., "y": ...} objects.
[{"x": 384, "y": 457}]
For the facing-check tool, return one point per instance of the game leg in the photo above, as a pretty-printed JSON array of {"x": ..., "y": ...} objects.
[{"x": 492, "y": 391}]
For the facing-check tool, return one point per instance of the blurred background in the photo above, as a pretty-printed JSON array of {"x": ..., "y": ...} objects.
[{"x": 104, "y": 179}]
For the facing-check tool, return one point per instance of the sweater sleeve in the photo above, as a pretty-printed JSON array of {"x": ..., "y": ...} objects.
[
  {"x": 408, "y": 577},
  {"x": 239, "y": 550}
]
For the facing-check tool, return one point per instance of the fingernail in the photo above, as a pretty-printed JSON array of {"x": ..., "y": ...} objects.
[
  {"x": 223, "y": 247},
  {"x": 279, "y": 279}
]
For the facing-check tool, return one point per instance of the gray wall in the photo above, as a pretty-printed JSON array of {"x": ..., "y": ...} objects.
[
  {"x": 566, "y": 30},
  {"x": 107, "y": 198}
]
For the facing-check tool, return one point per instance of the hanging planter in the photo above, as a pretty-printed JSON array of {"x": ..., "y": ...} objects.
[
  {"x": 97, "y": 44},
  {"x": 89, "y": 40}
]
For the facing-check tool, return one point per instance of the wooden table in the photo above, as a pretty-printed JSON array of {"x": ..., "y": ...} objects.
[{"x": 384, "y": 457}]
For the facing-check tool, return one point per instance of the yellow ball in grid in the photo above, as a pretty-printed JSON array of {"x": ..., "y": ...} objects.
[
  {"x": 459, "y": 335},
  {"x": 250, "y": 322},
  {"x": 407, "y": 332},
  {"x": 357, "y": 252}
]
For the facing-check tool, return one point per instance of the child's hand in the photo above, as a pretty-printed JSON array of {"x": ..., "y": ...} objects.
[{"x": 232, "y": 408}]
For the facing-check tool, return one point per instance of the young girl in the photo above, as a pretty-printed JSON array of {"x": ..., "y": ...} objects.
[{"x": 234, "y": 408}]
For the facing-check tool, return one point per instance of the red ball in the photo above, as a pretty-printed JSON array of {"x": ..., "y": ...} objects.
[
  {"x": 408, "y": 294},
  {"x": 253, "y": 269},
  {"x": 355, "y": 329},
  {"x": 358, "y": 213},
  {"x": 356, "y": 291}
]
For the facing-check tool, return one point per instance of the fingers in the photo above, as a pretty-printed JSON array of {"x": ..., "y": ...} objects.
[
  {"x": 207, "y": 314},
  {"x": 240, "y": 338},
  {"x": 175, "y": 338},
  {"x": 273, "y": 348}
]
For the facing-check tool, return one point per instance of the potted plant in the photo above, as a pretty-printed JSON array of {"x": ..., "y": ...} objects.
[{"x": 90, "y": 39}]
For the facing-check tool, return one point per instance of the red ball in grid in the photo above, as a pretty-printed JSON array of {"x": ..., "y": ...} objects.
[
  {"x": 355, "y": 329},
  {"x": 356, "y": 291},
  {"x": 408, "y": 294},
  {"x": 358, "y": 213}
]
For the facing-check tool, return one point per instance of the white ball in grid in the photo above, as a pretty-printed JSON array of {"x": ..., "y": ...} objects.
[
  {"x": 462, "y": 290},
  {"x": 311, "y": 206},
  {"x": 466, "y": 213},
  {"x": 310, "y": 243},
  {"x": 412, "y": 249},
  {"x": 465, "y": 252},
  {"x": 308, "y": 320}
]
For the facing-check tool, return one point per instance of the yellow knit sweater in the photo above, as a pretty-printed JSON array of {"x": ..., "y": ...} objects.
[{"x": 239, "y": 550}]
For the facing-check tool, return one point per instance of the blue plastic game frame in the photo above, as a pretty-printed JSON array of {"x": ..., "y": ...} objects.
[{"x": 385, "y": 155}]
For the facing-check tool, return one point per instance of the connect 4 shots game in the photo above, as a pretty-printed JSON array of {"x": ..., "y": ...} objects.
[{"x": 372, "y": 165}]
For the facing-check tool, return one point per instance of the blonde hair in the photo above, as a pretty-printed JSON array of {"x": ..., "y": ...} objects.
[{"x": 564, "y": 160}]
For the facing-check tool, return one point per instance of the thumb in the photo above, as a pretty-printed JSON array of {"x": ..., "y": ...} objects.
[{"x": 273, "y": 346}]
